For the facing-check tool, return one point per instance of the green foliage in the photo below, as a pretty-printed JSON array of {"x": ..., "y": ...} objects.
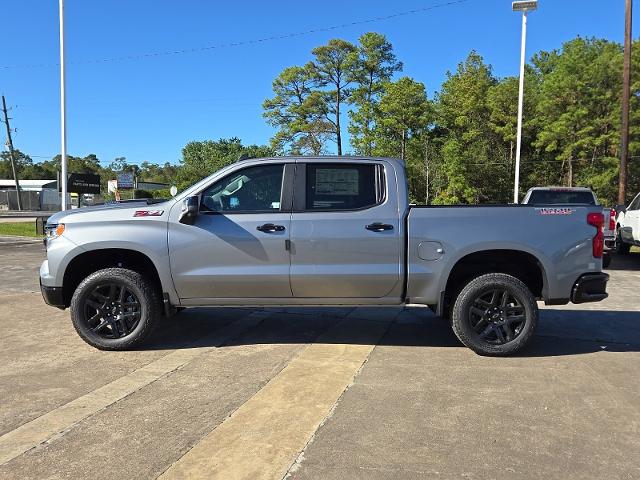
[
  {"x": 139, "y": 193},
  {"x": 374, "y": 66},
  {"x": 200, "y": 159},
  {"x": 579, "y": 111},
  {"x": 333, "y": 71},
  {"x": 461, "y": 147},
  {"x": 309, "y": 100},
  {"x": 458, "y": 147},
  {"x": 162, "y": 193},
  {"x": 470, "y": 148},
  {"x": 298, "y": 111}
]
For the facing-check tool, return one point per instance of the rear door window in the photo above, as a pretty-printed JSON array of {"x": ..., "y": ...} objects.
[{"x": 342, "y": 186}]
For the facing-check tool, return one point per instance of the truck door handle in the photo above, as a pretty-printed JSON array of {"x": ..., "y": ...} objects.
[
  {"x": 270, "y": 227},
  {"x": 379, "y": 227}
]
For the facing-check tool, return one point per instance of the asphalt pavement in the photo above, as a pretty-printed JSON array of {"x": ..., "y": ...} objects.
[{"x": 317, "y": 393}]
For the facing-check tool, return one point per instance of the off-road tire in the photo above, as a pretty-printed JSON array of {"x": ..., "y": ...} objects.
[
  {"x": 462, "y": 317},
  {"x": 621, "y": 247},
  {"x": 147, "y": 295}
]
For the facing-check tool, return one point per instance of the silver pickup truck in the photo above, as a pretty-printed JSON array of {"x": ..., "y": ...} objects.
[{"x": 319, "y": 231}]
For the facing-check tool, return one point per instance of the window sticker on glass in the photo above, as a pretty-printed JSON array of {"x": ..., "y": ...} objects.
[
  {"x": 275, "y": 205},
  {"x": 336, "y": 181},
  {"x": 234, "y": 202}
]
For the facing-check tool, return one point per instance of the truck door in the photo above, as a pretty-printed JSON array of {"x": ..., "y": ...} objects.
[
  {"x": 237, "y": 247},
  {"x": 345, "y": 231}
]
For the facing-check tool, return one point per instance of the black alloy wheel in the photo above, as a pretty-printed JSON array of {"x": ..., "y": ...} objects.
[
  {"x": 116, "y": 308},
  {"x": 496, "y": 316},
  {"x": 111, "y": 310}
]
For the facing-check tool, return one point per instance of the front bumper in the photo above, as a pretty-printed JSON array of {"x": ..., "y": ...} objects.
[
  {"x": 590, "y": 287},
  {"x": 52, "y": 296}
]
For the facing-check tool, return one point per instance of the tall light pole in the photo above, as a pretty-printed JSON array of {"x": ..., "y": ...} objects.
[
  {"x": 63, "y": 114},
  {"x": 523, "y": 7}
]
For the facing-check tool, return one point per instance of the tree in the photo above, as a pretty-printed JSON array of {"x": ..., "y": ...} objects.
[
  {"x": 374, "y": 65},
  {"x": 152, "y": 172},
  {"x": 298, "y": 112},
  {"x": 200, "y": 159},
  {"x": 579, "y": 107},
  {"x": 404, "y": 112},
  {"x": 469, "y": 152},
  {"x": 120, "y": 164},
  {"x": 23, "y": 162},
  {"x": 332, "y": 70}
]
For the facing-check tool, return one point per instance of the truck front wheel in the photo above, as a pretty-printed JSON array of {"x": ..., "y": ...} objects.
[
  {"x": 621, "y": 247},
  {"x": 495, "y": 315},
  {"x": 115, "y": 309}
]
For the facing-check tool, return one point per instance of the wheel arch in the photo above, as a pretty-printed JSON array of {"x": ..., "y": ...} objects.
[
  {"x": 521, "y": 264},
  {"x": 88, "y": 262}
]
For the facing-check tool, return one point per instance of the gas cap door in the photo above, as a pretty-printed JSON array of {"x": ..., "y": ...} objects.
[{"x": 430, "y": 251}]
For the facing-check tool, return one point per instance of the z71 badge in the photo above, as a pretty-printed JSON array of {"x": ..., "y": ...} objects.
[{"x": 555, "y": 211}]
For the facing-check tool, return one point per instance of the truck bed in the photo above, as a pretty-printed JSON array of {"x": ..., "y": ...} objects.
[{"x": 437, "y": 240}]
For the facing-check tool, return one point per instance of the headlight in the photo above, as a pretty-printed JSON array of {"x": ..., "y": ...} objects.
[{"x": 53, "y": 230}]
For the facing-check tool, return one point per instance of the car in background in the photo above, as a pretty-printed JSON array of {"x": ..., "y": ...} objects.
[
  {"x": 561, "y": 196},
  {"x": 628, "y": 226}
]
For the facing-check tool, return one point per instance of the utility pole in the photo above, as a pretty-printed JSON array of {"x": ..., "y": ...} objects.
[
  {"x": 626, "y": 93},
  {"x": 11, "y": 155}
]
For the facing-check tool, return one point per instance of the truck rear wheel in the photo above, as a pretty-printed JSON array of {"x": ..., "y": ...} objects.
[
  {"x": 115, "y": 309},
  {"x": 495, "y": 315}
]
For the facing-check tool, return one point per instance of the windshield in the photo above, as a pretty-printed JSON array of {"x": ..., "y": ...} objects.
[{"x": 559, "y": 197}]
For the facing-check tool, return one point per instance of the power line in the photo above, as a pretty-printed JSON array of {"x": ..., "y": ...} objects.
[{"x": 245, "y": 42}]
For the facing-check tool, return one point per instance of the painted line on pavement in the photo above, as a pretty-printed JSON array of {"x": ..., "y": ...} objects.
[
  {"x": 61, "y": 419},
  {"x": 265, "y": 435}
]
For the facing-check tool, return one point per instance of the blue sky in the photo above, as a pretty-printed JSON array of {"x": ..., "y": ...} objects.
[{"x": 149, "y": 108}]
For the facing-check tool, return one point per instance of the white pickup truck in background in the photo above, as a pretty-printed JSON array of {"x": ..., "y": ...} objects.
[
  {"x": 628, "y": 226},
  {"x": 562, "y": 196}
]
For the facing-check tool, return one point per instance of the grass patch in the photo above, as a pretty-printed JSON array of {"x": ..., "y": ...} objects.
[{"x": 23, "y": 229}]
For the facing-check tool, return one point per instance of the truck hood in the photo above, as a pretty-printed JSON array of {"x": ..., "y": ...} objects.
[{"x": 60, "y": 217}]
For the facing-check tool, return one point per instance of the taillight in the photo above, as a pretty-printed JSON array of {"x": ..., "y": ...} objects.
[
  {"x": 612, "y": 219},
  {"x": 597, "y": 220}
]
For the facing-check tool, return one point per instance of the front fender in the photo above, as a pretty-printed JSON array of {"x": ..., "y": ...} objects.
[{"x": 148, "y": 237}]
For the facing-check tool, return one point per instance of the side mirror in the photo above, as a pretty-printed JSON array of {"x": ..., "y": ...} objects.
[{"x": 189, "y": 210}]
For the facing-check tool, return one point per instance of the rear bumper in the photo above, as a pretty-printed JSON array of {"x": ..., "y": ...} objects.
[
  {"x": 590, "y": 287},
  {"x": 52, "y": 296}
]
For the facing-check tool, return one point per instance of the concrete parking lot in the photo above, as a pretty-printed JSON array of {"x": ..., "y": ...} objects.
[{"x": 308, "y": 393}]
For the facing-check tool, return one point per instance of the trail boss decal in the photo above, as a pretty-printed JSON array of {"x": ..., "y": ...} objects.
[{"x": 555, "y": 211}]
